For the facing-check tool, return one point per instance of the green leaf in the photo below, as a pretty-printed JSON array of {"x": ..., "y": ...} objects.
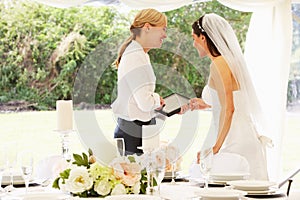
[
  {"x": 55, "y": 183},
  {"x": 81, "y": 160},
  {"x": 90, "y": 152},
  {"x": 131, "y": 159},
  {"x": 65, "y": 174}
]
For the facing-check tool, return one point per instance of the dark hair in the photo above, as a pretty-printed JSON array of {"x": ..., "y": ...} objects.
[{"x": 199, "y": 30}]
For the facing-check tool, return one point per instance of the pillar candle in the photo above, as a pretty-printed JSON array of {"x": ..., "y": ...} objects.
[{"x": 64, "y": 110}]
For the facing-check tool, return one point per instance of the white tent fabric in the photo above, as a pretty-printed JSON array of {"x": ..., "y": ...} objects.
[
  {"x": 267, "y": 52},
  {"x": 159, "y": 4}
]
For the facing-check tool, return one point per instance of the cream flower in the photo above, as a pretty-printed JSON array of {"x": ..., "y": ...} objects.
[
  {"x": 102, "y": 187},
  {"x": 79, "y": 180},
  {"x": 118, "y": 189}
]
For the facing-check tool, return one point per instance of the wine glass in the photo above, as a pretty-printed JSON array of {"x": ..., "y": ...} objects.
[
  {"x": 2, "y": 167},
  {"x": 159, "y": 166},
  {"x": 172, "y": 153},
  {"x": 120, "y": 145},
  {"x": 11, "y": 158},
  {"x": 26, "y": 164},
  {"x": 206, "y": 156}
]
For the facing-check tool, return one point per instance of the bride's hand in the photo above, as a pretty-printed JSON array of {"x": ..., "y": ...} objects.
[
  {"x": 198, "y": 157},
  {"x": 198, "y": 104}
]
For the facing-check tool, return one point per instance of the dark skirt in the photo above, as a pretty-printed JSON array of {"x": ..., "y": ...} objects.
[{"x": 131, "y": 131}]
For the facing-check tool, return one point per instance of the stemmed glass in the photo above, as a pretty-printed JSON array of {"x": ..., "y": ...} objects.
[
  {"x": 206, "y": 156},
  {"x": 120, "y": 145},
  {"x": 11, "y": 158},
  {"x": 26, "y": 164},
  {"x": 159, "y": 166},
  {"x": 172, "y": 153},
  {"x": 2, "y": 167}
]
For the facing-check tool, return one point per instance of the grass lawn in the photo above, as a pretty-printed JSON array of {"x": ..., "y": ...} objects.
[{"x": 36, "y": 131}]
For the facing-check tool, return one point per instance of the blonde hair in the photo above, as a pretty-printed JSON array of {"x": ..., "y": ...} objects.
[{"x": 151, "y": 16}]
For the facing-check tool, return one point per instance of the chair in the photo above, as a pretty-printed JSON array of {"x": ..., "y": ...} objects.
[
  {"x": 230, "y": 163},
  {"x": 48, "y": 167},
  {"x": 223, "y": 163},
  {"x": 289, "y": 179}
]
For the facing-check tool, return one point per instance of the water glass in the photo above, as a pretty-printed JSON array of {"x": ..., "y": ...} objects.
[
  {"x": 172, "y": 154},
  {"x": 26, "y": 164},
  {"x": 159, "y": 166},
  {"x": 206, "y": 157},
  {"x": 2, "y": 167},
  {"x": 11, "y": 158}
]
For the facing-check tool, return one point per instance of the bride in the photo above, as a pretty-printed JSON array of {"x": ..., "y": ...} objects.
[{"x": 236, "y": 111}]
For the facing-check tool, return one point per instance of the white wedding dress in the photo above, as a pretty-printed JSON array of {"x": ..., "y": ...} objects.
[{"x": 242, "y": 138}]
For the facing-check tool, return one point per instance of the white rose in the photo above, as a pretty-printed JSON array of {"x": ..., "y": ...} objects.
[
  {"x": 79, "y": 180},
  {"x": 102, "y": 187},
  {"x": 136, "y": 188},
  {"x": 118, "y": 190}
]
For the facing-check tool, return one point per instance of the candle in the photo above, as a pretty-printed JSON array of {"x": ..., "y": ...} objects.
[{"x": 64, "y": 110}]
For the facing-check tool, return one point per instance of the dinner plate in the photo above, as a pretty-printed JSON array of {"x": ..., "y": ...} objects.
[
  {"x": 220, "y": 194},
  {"x": 275, "y": 194},
  {"x": 168, "y": 174},
  {"x": 228, "y": 176},
  {"x": 178, "y": 191},
  {"x": 251, "y": 185},
  {"x": 17, "y": 180},
  {"x": 132, "y": 197},
  {"x": 44, "y": 196},
  {"x": 271, "y": 190}
]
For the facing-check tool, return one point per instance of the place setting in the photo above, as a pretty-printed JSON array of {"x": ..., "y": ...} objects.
[
  {"x": 257, "y": 188},
  {"x": 222, "y": 178}
]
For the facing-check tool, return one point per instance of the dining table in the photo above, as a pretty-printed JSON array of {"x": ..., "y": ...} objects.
[{"x": 181, "y": 190}]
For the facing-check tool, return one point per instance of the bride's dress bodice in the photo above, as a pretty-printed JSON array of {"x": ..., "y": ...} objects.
[
  {"x": 210, "y": 96},
  {"x": 242, "y": 138}
]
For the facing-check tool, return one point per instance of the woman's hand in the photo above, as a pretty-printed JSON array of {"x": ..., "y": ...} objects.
[
  {"x": 198, "y": 104},
  {"x": 198, "y": 157},
  {"x": 162, "y": 104},
  {"x": 183, "y": 109}
]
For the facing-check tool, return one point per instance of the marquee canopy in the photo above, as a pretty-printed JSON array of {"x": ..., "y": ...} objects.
[{"x": 267, "y": 52}]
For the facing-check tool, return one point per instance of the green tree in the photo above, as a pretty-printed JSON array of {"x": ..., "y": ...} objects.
[{"x": 43, "y": 48}]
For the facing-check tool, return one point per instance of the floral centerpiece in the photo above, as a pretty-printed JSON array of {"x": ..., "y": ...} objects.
[{"x": 85, "y": 177}]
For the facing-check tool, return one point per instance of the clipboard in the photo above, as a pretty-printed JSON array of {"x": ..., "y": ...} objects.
[{"x": 173, "y": 103}]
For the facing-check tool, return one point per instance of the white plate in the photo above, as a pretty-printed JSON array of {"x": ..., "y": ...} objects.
[
  {"x": 132, "y": 197},
  {"x": 251, "y": 185},
  {"x": 228, "y": 176},
  {"x": 269, "y": 191},
  {"x": 18, "y": 180},
  {"x": 221, "y": 193},
  {"x": 179, "y": 190},
  {"x": 168, "y": 174},
  {"x": 44, "y": 196}
]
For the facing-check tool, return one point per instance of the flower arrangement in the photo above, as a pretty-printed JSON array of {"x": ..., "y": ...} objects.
[{"x": 85, "y": 177}]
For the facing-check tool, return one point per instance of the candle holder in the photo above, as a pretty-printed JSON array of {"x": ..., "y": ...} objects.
[{"x": 65, "y": 141}]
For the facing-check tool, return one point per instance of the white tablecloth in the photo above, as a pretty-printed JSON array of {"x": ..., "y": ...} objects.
[{"x": 180, "y": 191}]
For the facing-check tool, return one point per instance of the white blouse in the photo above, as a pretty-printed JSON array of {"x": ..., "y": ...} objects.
[{"x": 136, "y": 99}]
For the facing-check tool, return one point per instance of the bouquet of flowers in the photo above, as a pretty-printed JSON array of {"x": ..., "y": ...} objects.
[{"x": 85, "y": 177}]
